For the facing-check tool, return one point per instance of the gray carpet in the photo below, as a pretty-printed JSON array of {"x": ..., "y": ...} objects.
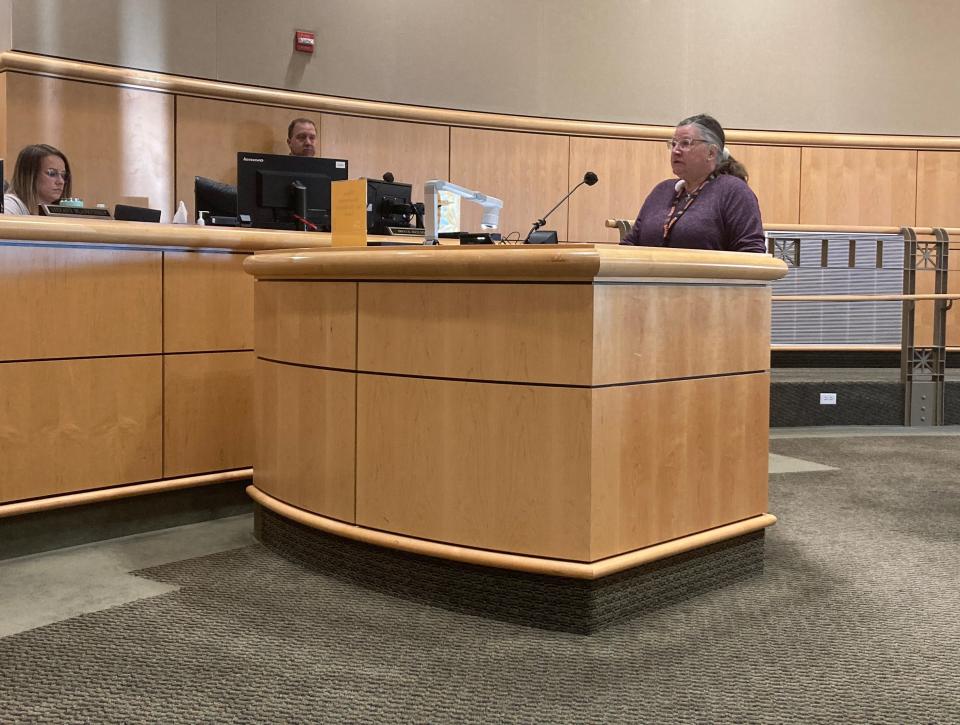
[{"x": 857, "y": 617}]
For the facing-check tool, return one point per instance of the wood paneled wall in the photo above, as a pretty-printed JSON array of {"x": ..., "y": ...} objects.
[
  {"x": 146, "y": 145},
  {"x": 120, "y": 141},
  {"x": 637, "y": 165},
  {"x": 851, "y": 186},
  {"x": 413, "y": 152},
  {"x": 528, "y": 171},
  {"x": 774, "y": 173},
  {"x": 938, "y": 183},
  {"x": 210, "y": 133}
]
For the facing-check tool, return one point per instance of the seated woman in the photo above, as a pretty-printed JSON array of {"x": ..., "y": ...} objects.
[
  {"x": 710, "y": 207},
  {"x": 40, "y": 176}
]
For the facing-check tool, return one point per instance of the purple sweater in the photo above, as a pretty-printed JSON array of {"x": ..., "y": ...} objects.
[{"x": 725, "y": 215}]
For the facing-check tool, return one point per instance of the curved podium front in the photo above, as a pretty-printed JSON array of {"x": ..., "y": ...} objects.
[{"x": 575, "y": 412}]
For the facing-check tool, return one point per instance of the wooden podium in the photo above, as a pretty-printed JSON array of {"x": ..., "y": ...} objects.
[{"x": 570, "y": 411}]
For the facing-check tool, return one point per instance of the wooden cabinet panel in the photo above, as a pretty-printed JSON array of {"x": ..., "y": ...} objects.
[
  {"x": 547, "y": 333},
  {"x": 774, "y": 176},
  {"x": 207, "y": 412},
  {"x": 527, "y": 171},
  {"x": 413, "y": 152},
  {"x": 425, "y": 469},
  {"x": 119, "y": 140},
  {"x": 207, "y": 302},
  {"x": 310, "y": 323},
  {"x": 306, "y": 428},
  {"x": 516, "y": 332},
  {"x": 70, "y": 425},
  {"x": 628, "y": 170},
  {"x": 73, "y": 301},
  {"x": 691, "y": 455},
  {"x": 875, "y": 187},
  {"x": 654, "y": 332}
]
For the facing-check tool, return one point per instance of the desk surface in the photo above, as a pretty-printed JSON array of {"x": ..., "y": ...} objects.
[{"x": 183, "y": 236}]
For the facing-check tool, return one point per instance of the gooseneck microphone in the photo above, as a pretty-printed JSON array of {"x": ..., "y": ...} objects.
[{"x": 589, "y": 179}]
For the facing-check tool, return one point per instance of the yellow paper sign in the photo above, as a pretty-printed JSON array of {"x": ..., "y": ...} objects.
[{"x": 348, "y": 214}]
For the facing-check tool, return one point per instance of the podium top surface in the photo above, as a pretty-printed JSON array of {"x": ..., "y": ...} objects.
[{"x": 563, "y": 262}]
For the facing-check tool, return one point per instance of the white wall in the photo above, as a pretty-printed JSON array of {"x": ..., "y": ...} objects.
[{"x": 858, "y": 66}]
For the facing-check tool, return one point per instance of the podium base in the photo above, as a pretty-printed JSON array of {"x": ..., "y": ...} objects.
[{"x": 547, "y": 602}]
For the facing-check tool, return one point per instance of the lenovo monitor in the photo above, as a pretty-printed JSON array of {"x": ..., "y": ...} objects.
[{"x": 286, "y": 192}]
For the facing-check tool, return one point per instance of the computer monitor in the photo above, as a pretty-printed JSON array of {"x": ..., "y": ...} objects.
[
  {"x": 390, "y": 204},
  {"x": 275, "y": 190},
  {"x": 215, "y": 197}
]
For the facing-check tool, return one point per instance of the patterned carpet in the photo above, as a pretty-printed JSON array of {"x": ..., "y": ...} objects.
[{"x": 855, "y": 619}]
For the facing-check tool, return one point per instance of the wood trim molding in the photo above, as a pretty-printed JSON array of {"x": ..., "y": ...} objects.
[
  {"x": 864, "y": 298},
  {"x": 117, "y": 492},
  {"x": 837, "y": 348},
  {"x": 178, "y": 236},
  {"x": 840, "y": 229},
  {"x": 180, "y": 85},
  {"x": 515, "y": 562},
  {"x": 564, "y": 262},
  {"x": 819, "y": 228}
]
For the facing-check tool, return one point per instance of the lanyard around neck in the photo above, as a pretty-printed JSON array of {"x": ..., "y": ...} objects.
[{"x": 676, "y": 213}]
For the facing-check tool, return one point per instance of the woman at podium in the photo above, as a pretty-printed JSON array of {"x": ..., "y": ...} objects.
[
  {"x": 708, "y": 205},
  {"x": 40, "y": 176}
]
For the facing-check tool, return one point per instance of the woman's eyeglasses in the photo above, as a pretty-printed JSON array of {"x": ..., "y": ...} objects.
[
  {"x": 683, "y": 144},
  {"x": 54, "y": 173}
]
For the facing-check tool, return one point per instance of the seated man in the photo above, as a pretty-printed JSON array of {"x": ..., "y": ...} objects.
[{"x": 302, "y": 137}]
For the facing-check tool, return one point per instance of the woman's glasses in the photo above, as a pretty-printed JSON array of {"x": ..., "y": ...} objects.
[
  {"x": 54, "y": 173},
  {"x": 683, "y": 144}
]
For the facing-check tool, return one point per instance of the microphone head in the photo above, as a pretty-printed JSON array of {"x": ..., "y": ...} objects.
[
  {"x": 590, "y": 178},
  {"x": 388, "y": 177}
]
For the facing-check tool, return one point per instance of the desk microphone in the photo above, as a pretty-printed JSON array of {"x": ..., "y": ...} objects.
[{"x": 535, "y": 236}]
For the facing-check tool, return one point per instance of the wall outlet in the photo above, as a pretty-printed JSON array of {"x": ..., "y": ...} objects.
[{"x": 828, "y": 398}]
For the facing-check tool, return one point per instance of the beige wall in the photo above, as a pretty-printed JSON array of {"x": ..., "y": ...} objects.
[
  {"x": 6, "y": 25},
  {"x": 174, "y": 36},
  {"x": 852, "y": 66}
]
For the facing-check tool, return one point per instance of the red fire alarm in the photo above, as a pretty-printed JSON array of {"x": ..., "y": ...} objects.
[{"x": 303, "y": 41}]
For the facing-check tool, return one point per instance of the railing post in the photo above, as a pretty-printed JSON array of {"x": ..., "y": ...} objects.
[
  {"x": 940, "y": 321},
  {"x": 922, "y": 368}
]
